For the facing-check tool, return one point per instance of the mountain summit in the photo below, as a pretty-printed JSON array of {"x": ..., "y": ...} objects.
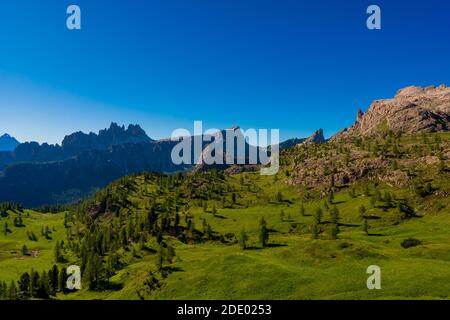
[
  {"x": 116, "y": 135},
  {"x": 412, "y": 110},
  {"x": 317, "y": 137},
  {"x": 8, "y": 143}
]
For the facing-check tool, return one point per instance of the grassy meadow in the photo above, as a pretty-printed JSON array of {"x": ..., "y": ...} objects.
[{"x": 291, "y": 266}]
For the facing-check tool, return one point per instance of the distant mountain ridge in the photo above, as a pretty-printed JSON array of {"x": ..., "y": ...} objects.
[
  {"x": 316, "y": 137},
  {"x": 8, "y": 143},
  {"x": 36, "y": 174},
  {"x": 74, "y": 144}
]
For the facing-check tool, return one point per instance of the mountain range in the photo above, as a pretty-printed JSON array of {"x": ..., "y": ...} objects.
[
  {"x": 36, "y": 174},
  {"x": 376, "y": 193}
]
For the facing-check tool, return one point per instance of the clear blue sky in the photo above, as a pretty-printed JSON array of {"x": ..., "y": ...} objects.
[{"x": 293, "y": 65}]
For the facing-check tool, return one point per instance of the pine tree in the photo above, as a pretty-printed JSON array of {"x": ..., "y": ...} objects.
[
  {"x": 58, "y": 253},
  {"x": 25, "y": 250},
  {"x": 5, "y": 229},
  {"x": 302, "y": 210},
  {"x": 43, "y": 289},
  {"x": 62, "y": 280},
  {"x": 66, "y": 220},
  {"x": 34, "y": 285},
  {"x": 3, "y": 291},
  {"x": 243, "y": 238},
  {"x": 166, "y": 254},
  {"x": 334, "y": 231},
  {"x": 362, "y": 211},
  {"x": 24, "y": 285},
  {"x": 373, "y": 202},
  {"x": 263, "y": 233},
  {"x": 93, "y": 271},
  {"x": 331, "y": 197},
  {"x": 53, "y": 276},
  {"x": 12, "y": 291},
  {"x": 334, "y": 228},
  {"x": 365, "y": 226},
  {"x": 315, "y": 231},
  {"x": 318, "y": 216},
  {"x": 279, "y": 197}
]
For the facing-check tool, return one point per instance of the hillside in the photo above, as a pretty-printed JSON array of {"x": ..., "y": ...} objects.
[
  {"x": 35, "y": 174},
  {"x": 375, "y": 194},
  {"x": 152, "y": 236}
]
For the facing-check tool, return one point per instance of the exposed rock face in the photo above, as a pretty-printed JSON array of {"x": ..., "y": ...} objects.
[
  {"x": 8, "y": 143},
  {"x": 412, "y": 110},
  {"x": 317, "y": 137},
  {"x": 240, "y": 154},
  {"x": 115, "y": 135},
  {"x": 243, "y": 162}
]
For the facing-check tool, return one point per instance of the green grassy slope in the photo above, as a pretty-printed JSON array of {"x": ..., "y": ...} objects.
[
  {"x": 41, "y": 252},
  {"x": 292, "y": 266}
]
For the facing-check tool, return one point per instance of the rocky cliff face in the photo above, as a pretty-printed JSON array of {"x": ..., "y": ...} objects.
[
  {"x": 412, "y": 110},
  {"x": 115, "y": 135},
  {"x": 317, "y": 137}
]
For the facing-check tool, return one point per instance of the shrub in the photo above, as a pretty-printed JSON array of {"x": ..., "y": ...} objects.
[{"x": 410, "y": 242}]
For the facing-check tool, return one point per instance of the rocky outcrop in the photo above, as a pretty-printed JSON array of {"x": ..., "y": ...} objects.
[
  {"x": 317, "y": 137},
  {"x": 412, "y": 110}
]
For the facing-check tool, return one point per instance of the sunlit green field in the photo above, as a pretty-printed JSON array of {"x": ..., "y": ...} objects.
[
  {"x": 41, "y": 252},
  {"x": 296, "y": 267},
  {"x": 292, "y": 265}
]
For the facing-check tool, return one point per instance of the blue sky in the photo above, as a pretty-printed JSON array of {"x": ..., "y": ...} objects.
[{"x": 293, "y": 65}]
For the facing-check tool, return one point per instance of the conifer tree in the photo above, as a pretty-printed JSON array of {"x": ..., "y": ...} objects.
[
  {"x": 302, "y": 210},
  {"x": 243, "y": 238},
  {"x": 365, "y": 226},
  {"x": 12, "y": 291},
  {"x": 263, "y": 233},
  {"x": 318, "y": 216},
  {"x": 315, "y": 231},
  {"x": 334, "y": 229},
  {"x": 362, "y": 211},
  {"x": 24, "y": 285},
  {"x": 25, "y": 250},
  {"x": 53, "y": 279},
  {"x": 62, "y": 280},
  {"x": 5, "y": 229}
]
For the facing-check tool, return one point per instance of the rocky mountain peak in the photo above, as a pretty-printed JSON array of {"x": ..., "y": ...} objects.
[
  {"x": 317, "y": 137},
  {"x": 8, "y": 143},
  {"x": 412, "y": 110},
  {"x": 359, "y": 115},
  {"x": 106, "y": 138}
]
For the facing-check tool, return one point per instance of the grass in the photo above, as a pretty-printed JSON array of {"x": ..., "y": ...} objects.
[
  {"x": 293, "y": 266},
  {"x": 41, "y": 252},
  {"x": 296, "y": 267}
]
